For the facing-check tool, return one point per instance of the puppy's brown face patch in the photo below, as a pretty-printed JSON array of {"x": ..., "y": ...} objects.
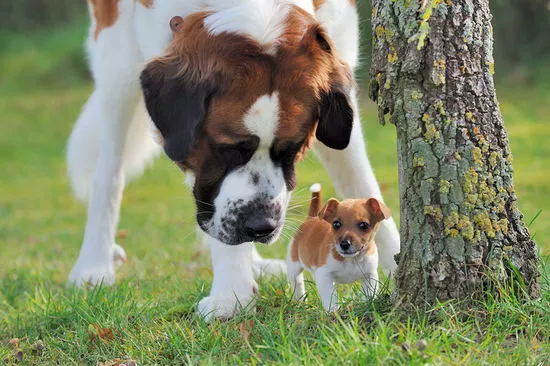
[
  {"x": 239, "y": 116},
  {"x": 354, "y": 224}
]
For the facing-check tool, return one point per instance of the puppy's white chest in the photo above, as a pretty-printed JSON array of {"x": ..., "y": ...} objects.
[
  {"x": 351, "y": 270},
  {"x": 348, "y": 272}
]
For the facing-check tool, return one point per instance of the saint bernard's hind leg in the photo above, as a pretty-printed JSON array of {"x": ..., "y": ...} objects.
[
  {"x": 267, "y": 266},
  {"x": 109, "y": 141}
]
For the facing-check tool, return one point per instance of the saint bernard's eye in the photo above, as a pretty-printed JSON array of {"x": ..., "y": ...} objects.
[
  {"x": 285, "y": 152},
  {"x": 237, "y": 154}
]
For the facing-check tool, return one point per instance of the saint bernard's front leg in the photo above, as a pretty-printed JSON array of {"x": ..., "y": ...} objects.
[{"x": 233, "y": 287}]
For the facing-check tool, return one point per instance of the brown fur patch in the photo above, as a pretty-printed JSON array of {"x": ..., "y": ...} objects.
[
  {"x": 300, "y": 72},
  {"x": 317, "y": 4},
  {"x": 105, "y": 13},
  {"x": 146, "y": 3},
  {"x": 371, "y": 248},
  {"x": 313, "y": 243}
]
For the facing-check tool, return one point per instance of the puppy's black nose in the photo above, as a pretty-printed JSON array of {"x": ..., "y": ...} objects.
[
  {"x": 257, "y": 228},
  {"x": 345, "y": 244}
]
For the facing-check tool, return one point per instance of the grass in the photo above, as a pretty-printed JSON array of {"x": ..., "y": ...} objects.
[{"x": 149, "y": 314}]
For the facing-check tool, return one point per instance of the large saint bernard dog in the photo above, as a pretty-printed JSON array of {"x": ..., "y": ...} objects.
[{"x": 234, "y": 91}]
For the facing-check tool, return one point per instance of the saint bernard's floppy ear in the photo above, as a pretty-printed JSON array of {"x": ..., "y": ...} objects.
[
  {"x": 177, "y": 105},
  {"x": 335, "y": 109},
  {"x": 335, "y": 119}
]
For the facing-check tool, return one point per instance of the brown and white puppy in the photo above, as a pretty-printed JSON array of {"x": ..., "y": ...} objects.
[{"x": 336, "y": 244}]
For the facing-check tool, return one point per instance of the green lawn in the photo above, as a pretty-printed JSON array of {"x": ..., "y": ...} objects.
[{"x": 150, "y": 310}]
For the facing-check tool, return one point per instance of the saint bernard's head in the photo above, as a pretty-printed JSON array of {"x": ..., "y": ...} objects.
[{"x": 238, "y": 103}]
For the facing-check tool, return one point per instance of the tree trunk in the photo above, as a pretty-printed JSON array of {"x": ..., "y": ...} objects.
[{"x": 432, "y": 72}]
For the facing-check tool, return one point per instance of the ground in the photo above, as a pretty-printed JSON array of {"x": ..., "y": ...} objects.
[{"x": 149, "y": 315}]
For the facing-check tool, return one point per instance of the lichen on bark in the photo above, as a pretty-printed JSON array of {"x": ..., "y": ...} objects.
[{"x": 432, "y": 68}]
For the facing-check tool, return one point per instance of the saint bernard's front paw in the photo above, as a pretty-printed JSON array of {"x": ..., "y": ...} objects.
[
  {"x": 225, "y": 306},
  {"x": 85, "y": 273}
]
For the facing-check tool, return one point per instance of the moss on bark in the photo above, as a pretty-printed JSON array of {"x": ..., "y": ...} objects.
[{"x": 432, "y": 73}]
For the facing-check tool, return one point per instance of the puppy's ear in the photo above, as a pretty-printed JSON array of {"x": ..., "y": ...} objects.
[
  {"x": 177, "y": 105},
  {"x": 335, "y": 108},
  {"x": 379, "y": 210},
  {"x": 329, "y": 211}
]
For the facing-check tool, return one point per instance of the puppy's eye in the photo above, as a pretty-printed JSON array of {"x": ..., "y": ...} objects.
[
  {"x": 364, "y": 225},
  {"x": 336, "y": 224}
]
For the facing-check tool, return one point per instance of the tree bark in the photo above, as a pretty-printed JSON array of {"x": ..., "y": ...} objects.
[{"x": 432, "y": 72}]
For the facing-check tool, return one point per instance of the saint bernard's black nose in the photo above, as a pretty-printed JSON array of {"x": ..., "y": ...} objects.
[{"x": 257, "y": 228}]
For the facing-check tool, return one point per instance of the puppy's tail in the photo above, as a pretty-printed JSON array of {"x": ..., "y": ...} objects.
[{"x": 316, "y": 203}]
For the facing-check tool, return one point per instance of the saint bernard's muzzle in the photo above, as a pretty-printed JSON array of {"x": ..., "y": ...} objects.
[{"x": 239, "y": 117}]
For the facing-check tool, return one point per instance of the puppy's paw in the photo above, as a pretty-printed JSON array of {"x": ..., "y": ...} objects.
[
  {"x": 224, "y": 307},
  {"x": 269, "y": 267}
]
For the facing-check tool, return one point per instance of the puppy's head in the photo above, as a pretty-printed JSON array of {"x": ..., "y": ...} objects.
[
  {"x": 238, "y": 112},
  {"x": 354, "y": 223}
]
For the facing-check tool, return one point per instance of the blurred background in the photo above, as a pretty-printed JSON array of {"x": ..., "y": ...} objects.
[
  {"x": 58, "y": 26},
  {"x": 44, "y": 81}
]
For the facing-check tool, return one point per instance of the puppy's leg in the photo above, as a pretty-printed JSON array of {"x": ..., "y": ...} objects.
[
  {"x": 353, "y": 177},
  {"x": 327, "y": 291},
  {"x": 370, "y": 284},
  {"x": 233, "y": 285},
  {"x": 295, "y": 274},
  {"x": 98, "y": 144}
]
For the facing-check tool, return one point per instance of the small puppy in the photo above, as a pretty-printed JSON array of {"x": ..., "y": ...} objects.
[{"x": 336, "y": 244}]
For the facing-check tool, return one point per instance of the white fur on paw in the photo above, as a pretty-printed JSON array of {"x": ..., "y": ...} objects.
[
  {"x": 269, "y": 267},
  {"x": 94, "y": 271},
  {"x": 83, "y": 275},
  {"x": 119, "y": 255},
  {"x": 224, "y": 307}
]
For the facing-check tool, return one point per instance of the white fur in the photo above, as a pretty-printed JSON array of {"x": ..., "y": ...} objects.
[
  {"x": 340, "y": 18},
  {"x": 262, "y": 119},
  {"x": 233, "y": 285},
  {"x": 315, "y": 188},
  {"x": 360, "y": 267},
  {"x": 261, "y": 19},
  {"x": 98, "y": 155},
  {"x": 111, "y": 142}
]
